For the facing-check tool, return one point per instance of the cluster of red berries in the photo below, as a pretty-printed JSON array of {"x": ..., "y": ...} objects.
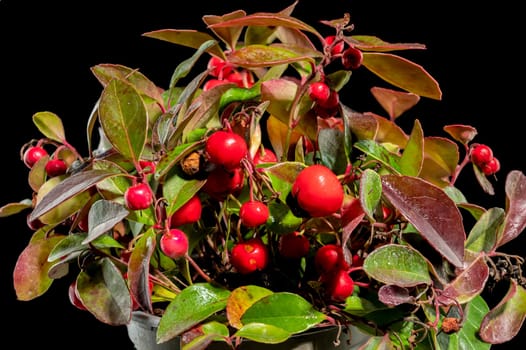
[
  {"x": 482, "y": 156},
  {"x": 224, "y": 73},
  {"x": 54, "y": 165}
]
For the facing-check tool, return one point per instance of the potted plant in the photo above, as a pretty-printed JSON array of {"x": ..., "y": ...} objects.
[{"x": 248, "y": 203}]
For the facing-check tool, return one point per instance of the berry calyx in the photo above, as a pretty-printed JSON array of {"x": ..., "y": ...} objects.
[
  {"x": 56, "y": 167},
  {"x": 188, "y": 213},
  {"x": 253, "y": 213},
  {"x": 249, "y": 256},
  {"x": 138, "y": 196},
  {"x": 226, "y": 148},
  {"x": 293, "y": 245},
  {"x": 174, "y": 243},
  {"x": 318, "y": 191},
  {"x": 33, "y": 154}
]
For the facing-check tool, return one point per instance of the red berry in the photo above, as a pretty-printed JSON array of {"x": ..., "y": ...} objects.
[
  {"x": 339, "y": 285},
  {"x": 318, "y": 191},
  {"x": 226, "y": 148},
  {"x": 491, "y": 167},
  {"x": 218, "y": 67},
  {"x": 189, "y": 213},
  {"x": 329, "y": 258},
  {"x": 481, "y": 154},
  {"x": 147, "y": 166},
  {"x": 212, "y": 83},
  {"x": 352, "y": 58},
  {"x": 221, "y": 182},
  {"x": 249, "y": 256},
  {"x": 338, "y": 47},
  {"x": 74, "y": 296},
  {"x": 33, "y": 154},
  {"x": 319, "y": 92},
  {"x": 56, "y": 167},
  {"x": 243, "y": 78},
  {"x": 138, "y": 196},
  {"x": 174, "y": 243},
  {"x": 253, "y": 213},
  {"x": 294, "y": 245},
  {"x": 265, "y": 156}
]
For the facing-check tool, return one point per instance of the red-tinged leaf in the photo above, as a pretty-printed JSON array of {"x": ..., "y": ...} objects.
[
  {"x": 515, "y": 221},
  {"x": 505, "y": 320},
  {"x": 104, "y": 292},
  {"x": 123, "y": 117},
  {"x": 394, "y": 295},
  {"x": 431, "y": 211},
  {"x": 395, "y": 103},
  {"x": 139, "y": 270},
  {"x": 106, "y": 72},
  {"x": 413, "y": 155},
  {"x": 483, "y": 180},
  {"x": 441, "y": 157},
  {"x": 402, "y": 73},
  {"x": 364, "y": 125},
  {"x": 68, "y": 188},
  {"x": 50, "y": 126},
  {"x": 240, "y": 300},
  {"x": 399, "y": 265},
  {"x": 30, "y": 275},
  {"x": 461, "y": 133},
  {"x": 228, "y": 35},
  {"x": 373, "y": 43},
  {"x": 103, "y": 215},
  {"x": 352, "y": 215},
  {"x": 185, "y": 37},
  {"x": 15, "y": 208},
  {"x": 467, "y": 284},
  {"x": 267, "y": 20},
  {"x": 277, "y": 135},
  {"x": 388, "y": 131},
  {"x": 254, "y": 56}
]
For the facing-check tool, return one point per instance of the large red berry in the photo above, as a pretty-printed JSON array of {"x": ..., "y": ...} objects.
[
  {"x": 56, "y": 167},
  {"x": 481, "y": 154},
  {"x": 339, "y": 285},
  {"x": 189, "y": 213},
  {"x": 329, "y": 258},
  {"x": 221, "y": 182},
  {"x": 249, "y": 256},
  {"x": 138, "y": 196},
  {"x": 293, "y": 245},
  {"x": 352, "y": 58},
  {"x": 226, "y": 148},
  {"x": 174, "y": 243},
  {"x": 265, "y": 156},
  {"x": 319, "y": 92},
  {"x": 253, "y": 213},
  {"x": 33, "y": 154},
  {"x": 318, "y": 191}
]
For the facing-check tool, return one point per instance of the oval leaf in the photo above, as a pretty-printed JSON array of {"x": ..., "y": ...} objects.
[
  {"x": 370, "y": 191},
  {"x": 515, "y": 221},
  {"x": 103, "y": 215},
  {"x": 263, "y": 333},
  {"x": 50, "y": 126},
  {"x": 240, "y": 300}
]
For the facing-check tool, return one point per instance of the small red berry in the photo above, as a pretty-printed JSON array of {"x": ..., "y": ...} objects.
[
  {"x": 265, "y": 156},
  {"x": 249, "y": 256},
  {"x": 147, "y": 166},
  {"x": 174, "y": 243},
  {"x": 293, "y": 245},
  {"x": 253, "y": 213},
  {"x": 338, "y": 46},
  {"x": 339, "y": 285},
  {"x": 218, "y": 67},
  {"x": 212, "y": 83},
  {"x": 56, "y": 167},
  {"x": 138, "y": 196},
  {"x": 33, "y": 154},
  {"x": 491, "y": 167},
  {"x": 221, "y": 182},
  {"x": 329, "y": 258},
  {"x": 319, "y": 92},
  {"x": 226, "y": 148},
  {"x": 189, "y": 213},
  {"x": 481, "y": 154},
  {"x": 352, "y": 58},
  {"x": 318, "y": 191},
  {"x": 243, "y": 78}
]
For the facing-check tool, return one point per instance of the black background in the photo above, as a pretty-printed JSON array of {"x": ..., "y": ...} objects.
[{"x": 47, "y": 48}]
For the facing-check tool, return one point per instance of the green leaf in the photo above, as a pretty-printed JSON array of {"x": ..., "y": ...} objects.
[
  {"x": 50, "y": 126},
  {"x": 399, "y": 265},
  {"x": 194, "y": 304},
  {"x": 70, "y": 244},
  {"x": 103, "y": 216},
  {"x": 189, "y": 38},
  {"x": 15, "y": 208},
  {"x": 370, "y": 191},
  {"x": 123, "y": 117},
  {"x": 240, "y": 300},
  {"x": 104, "y": 292},
  {"x": 413, "y": 155},
  {"x": 284, "y": 310},
  {"x": 380, "y": 153},
  {"x": 178, "y": 190},
  {"x": 483, "y": 234},
  {"x": 331, "y": 146},
  {"x": 263, "y": 333},
  {"x": 30, "y": 275},
  {"x": 254, "y": 56},
  {"x": 281, "y": 219},
  {"x": 402, "y": 73}
]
